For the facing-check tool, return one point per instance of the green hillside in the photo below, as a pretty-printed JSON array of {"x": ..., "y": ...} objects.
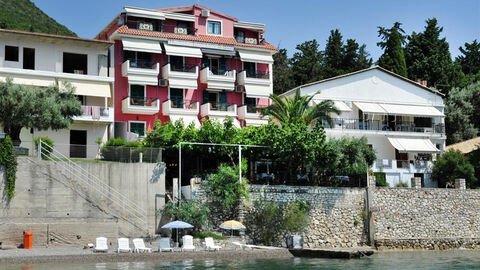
[{"x": 24, "y": 15}]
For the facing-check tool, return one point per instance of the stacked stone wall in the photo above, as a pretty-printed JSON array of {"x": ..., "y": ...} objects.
[{"x": 427, "y": 218}]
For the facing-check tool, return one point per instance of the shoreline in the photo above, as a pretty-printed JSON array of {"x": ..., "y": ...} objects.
[{"x": 41, "y": 255}]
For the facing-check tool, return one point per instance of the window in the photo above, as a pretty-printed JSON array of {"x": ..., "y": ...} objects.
[
  {"x": 138, "y": 59},
  {"x": 137, "y": 95},
  {"x": 214, "y": 27},
  {"x": 176, "y": 97},
  {"x": 75, "y": 63},
  {"x": 250, "y": 68},
  {"x": 138, "y": 128},
  {"x": 217, "y": 66},
  {"x": 82, "y": 99},
  {"x": 28, "y": 58},
  {"x": 251, "y": 104},
  {"x": 176, "y": 62},
  {"x": 11, "y": 53},
  {"x": 217, "y": 100}
]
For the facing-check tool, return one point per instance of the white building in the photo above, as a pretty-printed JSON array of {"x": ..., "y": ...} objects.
[
  {"x": 401, "y": 119},
  {"x": 42, "y": 60}
]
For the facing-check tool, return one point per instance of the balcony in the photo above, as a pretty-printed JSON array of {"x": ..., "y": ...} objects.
[
  {"x": 148, "y": 106},
  {"x": 180, "y": 106},
  {"x": 218, "y": 81},
  {"x": 251, "y": 115},
  {"x": 95, "y": 114},
  {"x": 181, "y": 77},
  {"x": 387, "y": 165},
  {"x": 259, "y": 78},
  {"x": 380, "y": 125},
  {"x": 141, "y": 72}
]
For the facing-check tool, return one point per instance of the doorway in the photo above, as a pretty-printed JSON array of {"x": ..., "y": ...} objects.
[
  {"x": 78, "y": 143},
  {"x": 28, "y": 58}
]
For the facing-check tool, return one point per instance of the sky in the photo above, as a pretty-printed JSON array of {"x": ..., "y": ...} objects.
[{"x": 289, "y": 23}]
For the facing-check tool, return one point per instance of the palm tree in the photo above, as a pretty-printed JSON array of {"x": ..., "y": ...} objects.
[{"x": 287, "y": 110}]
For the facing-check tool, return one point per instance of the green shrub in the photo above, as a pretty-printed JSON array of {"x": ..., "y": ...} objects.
[
  {"x": 191, "y": 212},
  {"x": 201, "y": 235},
  {"x": 115, "y": 142},
  {"x": 401, "y": 184},
  {"x": 225, "y": 189},
  {"x": 268, "y": 222},
  {"x": 380, "y": 179},
  {"x": 9, "y": 161},
  {"x": 46, "y": 150},
  {"x": 452, "y": 165}
]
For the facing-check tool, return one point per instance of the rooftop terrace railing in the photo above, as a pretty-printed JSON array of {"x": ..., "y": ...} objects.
[{"x": 381, "y": 125}]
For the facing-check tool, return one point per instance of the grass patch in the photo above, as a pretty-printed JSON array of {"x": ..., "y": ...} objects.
[{"x": 208, "y": 234}]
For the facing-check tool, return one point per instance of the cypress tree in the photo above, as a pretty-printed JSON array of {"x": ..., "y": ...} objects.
[{"x": 392, "y": 58}]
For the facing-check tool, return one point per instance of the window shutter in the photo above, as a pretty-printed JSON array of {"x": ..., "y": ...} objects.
[
  {"x": 223, "y": 98},
  {"x": 222, "y": 66},
  {"x": 204, "y": 62},
  {"x": 205, "y": 97}
]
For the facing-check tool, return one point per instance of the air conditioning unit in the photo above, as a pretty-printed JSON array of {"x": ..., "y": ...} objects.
[
  {"x": 205, "y": 12},
  {"x": 163, "y": 82},
  {"x": 238, "y": 88}
]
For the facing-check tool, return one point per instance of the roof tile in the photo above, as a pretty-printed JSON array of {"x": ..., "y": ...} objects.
[{"x": 201, "y": 38}]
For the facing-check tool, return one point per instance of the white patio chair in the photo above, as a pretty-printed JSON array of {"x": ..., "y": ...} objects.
[
  {"x": 210, "y": 245},
  {"x": 139, "y": 246},
  {"x": 123, "y": 245},
  {"x": 100, "y": 245},
  {"x": 165, "y": 245},
  {"x": 188, "y": 243}
]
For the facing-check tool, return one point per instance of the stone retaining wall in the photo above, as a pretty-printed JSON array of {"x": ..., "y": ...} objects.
[{"x": 426, "y": 218}]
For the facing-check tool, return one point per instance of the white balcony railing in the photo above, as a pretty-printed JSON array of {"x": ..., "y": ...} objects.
[
  {"x": 148, "y": 106},
  {"x": 219, "y": 109},
  {"x": 225, "y": 80},
  {"x": 186, "y": 107},
  {"x": 183, "y": 77},
  {"x": 261, "y": 80},
  {"x": 95, "y": 113},
  {"x": 387, "y": 165},
  {"x": 141, "y": 72}
]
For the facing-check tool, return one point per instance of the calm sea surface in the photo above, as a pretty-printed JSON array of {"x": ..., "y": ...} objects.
[{"x": 398, "y": 260}]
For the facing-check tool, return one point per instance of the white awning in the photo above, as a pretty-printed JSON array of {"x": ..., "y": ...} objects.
[
  {"x": 342, "y": 106},
  {"x": 187, "y": 119},
  {"x": 370, "y": 107},
  {"x": 88, "y": 88},
  {"x": 413, "y": 145},
  {"x": 182, "y": 51},
  {"x": 411, "y": 110},
  {"x": 182, "y": 83},
  {"x": 256, "y": 122},
  {"x": 141, "y": 45},
  {"x": 30, "y": 80},
  {"x": 255, "y": 56},
  {"x": 142, "y": 79},
  {"x": 258, "y": 91}
]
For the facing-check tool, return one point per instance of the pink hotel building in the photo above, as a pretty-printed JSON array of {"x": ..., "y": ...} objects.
[{"x": 187, "y": 63}]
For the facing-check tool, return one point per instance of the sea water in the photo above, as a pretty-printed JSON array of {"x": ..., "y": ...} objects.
[{"x": 454, "y": 259}]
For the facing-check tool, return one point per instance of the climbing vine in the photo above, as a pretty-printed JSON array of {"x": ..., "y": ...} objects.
[{"x": 9, "y": 161}]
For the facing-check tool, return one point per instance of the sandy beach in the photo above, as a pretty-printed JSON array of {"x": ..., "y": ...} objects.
[{"x": 76, "y": 254}]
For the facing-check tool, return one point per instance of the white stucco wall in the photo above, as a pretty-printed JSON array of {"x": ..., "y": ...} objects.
[{"x": 49, "y": 56}]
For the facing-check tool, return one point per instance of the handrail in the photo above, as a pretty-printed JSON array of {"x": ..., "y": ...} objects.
[{"x": 126, "y": 204}]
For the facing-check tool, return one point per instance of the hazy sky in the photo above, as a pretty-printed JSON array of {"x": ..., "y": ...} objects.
[{"x": 289, "y": 23}]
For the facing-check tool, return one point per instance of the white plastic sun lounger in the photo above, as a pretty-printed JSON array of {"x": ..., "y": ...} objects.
[
  {"x": 165, "y": 245},
  {"x": 188, "y": 243},
  {"x": 210, "y": 245},
  {"x": 139, "y": 246},
  {"x": 100, "y": 245},
  {"x": 123, "y": 245}
]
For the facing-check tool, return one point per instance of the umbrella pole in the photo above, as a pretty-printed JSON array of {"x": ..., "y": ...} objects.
[{"x": 177, "y": 238}]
